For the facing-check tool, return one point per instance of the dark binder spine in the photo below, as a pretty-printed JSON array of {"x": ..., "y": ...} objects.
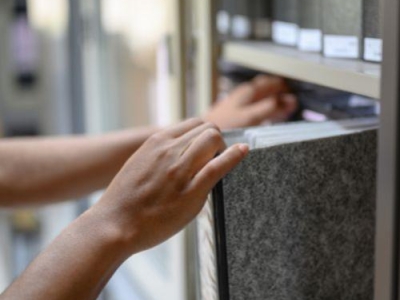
[{"x": 220, "y": 241}]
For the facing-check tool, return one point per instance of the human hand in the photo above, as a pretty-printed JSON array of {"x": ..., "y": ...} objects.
[
  {"x": 164, "y": 185},
  {"x": 265, "y": 98}
]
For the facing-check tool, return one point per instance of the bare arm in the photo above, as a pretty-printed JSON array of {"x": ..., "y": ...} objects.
[
  {"x": 38, "y": 171},
  {"x": 160, "y": 189}
]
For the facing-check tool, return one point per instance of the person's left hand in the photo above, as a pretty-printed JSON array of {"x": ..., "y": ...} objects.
[{"x": 265, "y": 98}]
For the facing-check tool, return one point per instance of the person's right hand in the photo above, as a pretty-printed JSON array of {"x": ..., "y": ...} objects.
[
  {"x": 265, "y": 98},
  {"x": 164, "y": 185}
]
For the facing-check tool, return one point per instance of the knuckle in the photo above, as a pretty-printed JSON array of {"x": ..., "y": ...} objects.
[
  {"x": 214, "y": 135},
  {"x": 157, "y": 138},
  {"x": 162, "y": 154},
  {"x": 211, "y": 125},
  {"x": 177, "y": 177},
  {"x": 212, "y": 170},
  {"x": 196, "y": 120},
  {"x": 174, "y": 171},
  {"x": 166, "y": 151}
]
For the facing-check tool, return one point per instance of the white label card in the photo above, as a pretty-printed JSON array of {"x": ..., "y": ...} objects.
[
  {"x": 241, "y": 27},
  {"x": 285, "y": 33},
  {"x": 341, "y": 46},
  {"x": 373, "y": 49},
  {"x": 310, "y": 40},
  {"x": 223, "y": 22}
]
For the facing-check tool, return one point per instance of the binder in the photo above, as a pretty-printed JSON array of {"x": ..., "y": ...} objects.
[
  {"x": 296, "y": 219},
  {"x": 372, "y": 31},
  {"x": 262, "y": 19},
  {"x": 310, "y": 23},
  {"x": 224, "y": 18},
  {"x": 342, "y": 27},
  {"x": 285, "y": 22},
  {"x": 242, "y": 26}
]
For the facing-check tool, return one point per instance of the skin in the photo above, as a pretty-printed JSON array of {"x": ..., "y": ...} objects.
[
  {"x": 159, "y": 182},
  {"x": 41, "y": 171},
  {"x": 134, "y": 214},
  {"x": 47, "y": 170},
  {"x": 252, "y": 103}
]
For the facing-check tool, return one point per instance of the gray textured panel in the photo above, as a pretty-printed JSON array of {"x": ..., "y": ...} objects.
[
  {"x": 342, "y": 17},
  {"x": 286, "y": 11},
  {"x": 310, "y": 14},
  {"x": 300, "y": 221},
  {"x": 372, "y": 17}
]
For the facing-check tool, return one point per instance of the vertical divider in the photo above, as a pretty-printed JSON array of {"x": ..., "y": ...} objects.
[
  {"x": 182, "y": 55},
  {"x": 207, "y": 54},
  {"x": 387, "y": 216},
  {"x": 176, "y": 30}
]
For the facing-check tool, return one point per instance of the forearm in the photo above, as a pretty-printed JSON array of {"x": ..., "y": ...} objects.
[
  {"x": 37, "y": 171},
  {"x": 77, "y": 265},
  {"x": 160, "y": 189}
]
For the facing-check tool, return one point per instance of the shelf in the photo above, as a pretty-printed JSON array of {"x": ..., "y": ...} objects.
[{"x": 353, "y": 76}]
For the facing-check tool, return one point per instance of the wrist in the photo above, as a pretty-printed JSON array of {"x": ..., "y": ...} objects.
[{"x": 114, "y": 238}]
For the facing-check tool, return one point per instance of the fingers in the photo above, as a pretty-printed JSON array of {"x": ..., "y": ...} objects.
[
  {"x": 243, "y": 93},
  {"x": 265, "y": 86},
  {"x": 217, "y": 168},
  {"x": 289, "y": 103},
  {"x": 272, "y": 109},
  {"x": 177, "y": 130},
  {"x": 204, "y": 148},
  {"x": 261, "y": 111},
  {"x": 191, "y": 135},
  {"x": 259, "y": 88}
]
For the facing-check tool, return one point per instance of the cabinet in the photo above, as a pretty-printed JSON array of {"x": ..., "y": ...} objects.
[{"x": 373, "y": 80}]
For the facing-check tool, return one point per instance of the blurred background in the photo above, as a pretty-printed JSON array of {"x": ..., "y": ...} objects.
[{"x": 87, "y": 67}]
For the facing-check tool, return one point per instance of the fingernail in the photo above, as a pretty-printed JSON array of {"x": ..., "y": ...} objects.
[{"x": 244, "y": 148}]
